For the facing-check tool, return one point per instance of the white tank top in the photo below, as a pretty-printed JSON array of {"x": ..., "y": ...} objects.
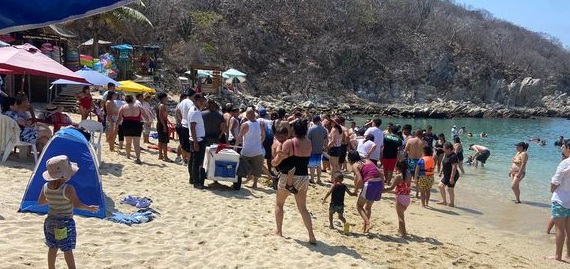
[
  {"x": 252, "y": 140},
  {"x": 236, "y": 128}
]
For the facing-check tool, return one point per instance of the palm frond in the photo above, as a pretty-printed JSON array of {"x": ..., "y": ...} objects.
[{"x": 126, "y": 14}]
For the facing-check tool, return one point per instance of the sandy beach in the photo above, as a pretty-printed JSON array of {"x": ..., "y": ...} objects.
[{"x": 223, "y": 228}]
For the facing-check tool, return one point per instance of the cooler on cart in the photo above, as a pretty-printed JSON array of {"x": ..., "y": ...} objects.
[{"x": 222, "y": 165}]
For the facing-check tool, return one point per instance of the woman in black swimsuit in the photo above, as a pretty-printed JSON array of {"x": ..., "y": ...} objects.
[
  {"x": 130, "y": 117},
  {"x": 295, "y": 154},
  {"x": 458, "y": 149},
  {"x": 439, "y": 152}
]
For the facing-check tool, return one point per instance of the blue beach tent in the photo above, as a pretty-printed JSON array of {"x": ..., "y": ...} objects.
[
  {"x": 29, "y": 14},
  {"x": 87, "y": 180}
]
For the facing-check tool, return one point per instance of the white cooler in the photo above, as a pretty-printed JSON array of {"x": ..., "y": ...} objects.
[{"x": 221, "y": 166}]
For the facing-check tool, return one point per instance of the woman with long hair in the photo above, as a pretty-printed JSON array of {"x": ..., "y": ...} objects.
[
  {"x": 371, "y": 181},
  {"x": 458, "y": 149},
  {"x": 402, "y": 183}
]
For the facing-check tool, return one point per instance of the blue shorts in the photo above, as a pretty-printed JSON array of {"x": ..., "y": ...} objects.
[
  {"x": 558, "y": 211},
  {"x": 60, "y": 233},
  {"x": 315, "y": 160},
  {"x": 412, "y": 165},
  {"x": 336, "y": 209}
]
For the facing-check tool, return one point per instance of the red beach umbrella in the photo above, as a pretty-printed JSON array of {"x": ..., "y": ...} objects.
[{"x": 29, "y": 60}]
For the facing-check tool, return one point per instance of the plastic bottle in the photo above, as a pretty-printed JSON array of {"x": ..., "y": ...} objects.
[{"x": 346, "y": 228}]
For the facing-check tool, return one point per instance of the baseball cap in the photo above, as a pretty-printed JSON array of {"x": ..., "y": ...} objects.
[{"x": 262, "y": 112}]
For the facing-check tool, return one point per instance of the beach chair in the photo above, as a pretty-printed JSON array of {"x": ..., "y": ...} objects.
[
  {"x": 10, "y": 138},
  {"x": 95, "y": 129}
]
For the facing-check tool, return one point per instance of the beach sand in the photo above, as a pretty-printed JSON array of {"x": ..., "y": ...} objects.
[{"x": 223, "y": 228}]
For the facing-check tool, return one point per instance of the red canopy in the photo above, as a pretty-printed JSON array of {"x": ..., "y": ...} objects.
[
  {"x": 7, "y": 72},
  {"x": 27, "y": 59}
]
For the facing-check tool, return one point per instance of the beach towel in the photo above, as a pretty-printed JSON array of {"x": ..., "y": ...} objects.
[
  {"x": 130, "y": 219},
  {"x": 155, "y": 147},
  {"x": 139, "y": 202}
]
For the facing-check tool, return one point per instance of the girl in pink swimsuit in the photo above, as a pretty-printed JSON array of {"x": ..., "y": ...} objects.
[{"x": 402, "y": 184}]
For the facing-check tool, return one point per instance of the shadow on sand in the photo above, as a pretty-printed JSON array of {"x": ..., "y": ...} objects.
[
  {"x": 328, "y": 250},
  {"x": 444, "y": 211},
  {"x": 406, "y": 239},
  {"x": 16, "y": 162},
  {"x": 537, "y": 204},
  {"x": 226, "y": 190},
  {"x": 109, "y": 206},
  {"x": 469, "y": 210},
  {"x": 115, "y": 169}
]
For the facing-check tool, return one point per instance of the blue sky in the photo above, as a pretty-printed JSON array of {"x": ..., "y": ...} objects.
[{"x": 546, "y": 16}]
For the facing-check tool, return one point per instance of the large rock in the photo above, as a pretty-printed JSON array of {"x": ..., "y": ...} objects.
[{"x": 528, "y": 94}]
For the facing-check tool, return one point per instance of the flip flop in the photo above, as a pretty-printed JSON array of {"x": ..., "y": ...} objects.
[
  {"x": 129, "y": 200},
  {"x": 143, "y": 202}
]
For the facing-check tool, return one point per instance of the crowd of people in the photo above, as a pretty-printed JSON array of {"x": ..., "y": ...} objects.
[{"x": 298, "y": 147}]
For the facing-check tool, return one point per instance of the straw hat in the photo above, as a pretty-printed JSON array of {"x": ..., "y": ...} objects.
[{"x": 59, "y": 167}]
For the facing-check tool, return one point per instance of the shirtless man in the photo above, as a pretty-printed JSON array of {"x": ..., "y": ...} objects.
[
  {"x": 413, "y": 152},
  {"x": 481, "y": 154}
]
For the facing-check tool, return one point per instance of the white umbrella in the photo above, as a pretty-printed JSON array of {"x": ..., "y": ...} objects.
[
  {"x": 231, "y": 73},
  {"x": 235, "y": 80},
  {"x": 90, "y": 42}
]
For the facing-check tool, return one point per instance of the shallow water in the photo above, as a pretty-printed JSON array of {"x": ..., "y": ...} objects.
[{"x": 485, "y": 194}]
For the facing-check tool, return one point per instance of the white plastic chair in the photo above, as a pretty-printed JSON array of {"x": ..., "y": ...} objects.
[
  {"x": 94, "y": 128},
  {"x": 10, "y": 138}
]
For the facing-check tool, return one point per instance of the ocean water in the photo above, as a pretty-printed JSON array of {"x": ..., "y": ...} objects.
[{"x": 485, "y": 193}]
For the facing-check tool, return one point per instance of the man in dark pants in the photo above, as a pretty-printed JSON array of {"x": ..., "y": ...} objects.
[{"x": 197, "y": 142}]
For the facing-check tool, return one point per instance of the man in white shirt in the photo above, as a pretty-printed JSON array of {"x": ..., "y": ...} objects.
[
  {"x": 197, "y": 141},
  {"x": 378, "y": 139},
  {"x": 184, "y": 136}
]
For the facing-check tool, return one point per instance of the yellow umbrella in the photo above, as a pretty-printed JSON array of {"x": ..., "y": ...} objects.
[{"x": 131, "y": 86}]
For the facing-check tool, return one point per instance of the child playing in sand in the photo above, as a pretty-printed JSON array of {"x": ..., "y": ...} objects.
[
  {"x": 402, "y": 183},
  {"x": 59, "y": 226},
  {"x": 337, "y": 191}
]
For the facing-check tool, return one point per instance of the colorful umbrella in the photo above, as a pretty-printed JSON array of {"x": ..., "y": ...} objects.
[
  {"x": 92, "y": 76},
  {"x": 31, "y": 14},
  {"x": 131, "y": 86},
  {"x": 29, "y": 60}
]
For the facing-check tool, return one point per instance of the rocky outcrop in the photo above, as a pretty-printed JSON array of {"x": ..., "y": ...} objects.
[{"x": 554, "y": 105}]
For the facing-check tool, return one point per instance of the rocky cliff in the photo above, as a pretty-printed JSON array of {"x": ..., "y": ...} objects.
[{"x": 394, "y": 57}]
